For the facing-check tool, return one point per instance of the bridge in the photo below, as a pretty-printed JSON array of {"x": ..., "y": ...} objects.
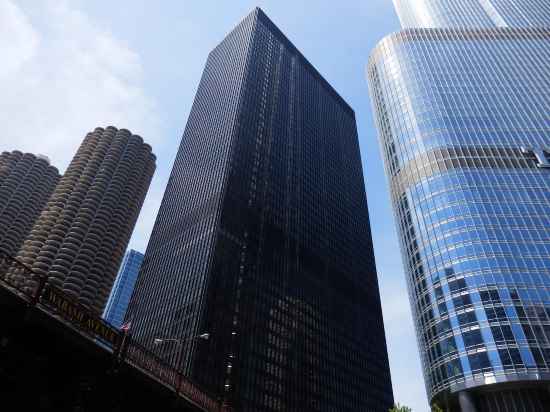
[{"x": 56, "y": 354}]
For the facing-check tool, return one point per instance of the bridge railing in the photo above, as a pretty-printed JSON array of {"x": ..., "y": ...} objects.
[
  {"x": 58, "y": 304},
  {"x": 12, "y": 270},
  {"x": 142, "y": 358}
]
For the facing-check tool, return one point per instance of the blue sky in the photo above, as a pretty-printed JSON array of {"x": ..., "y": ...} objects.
[{"x": 70, "y": 66}]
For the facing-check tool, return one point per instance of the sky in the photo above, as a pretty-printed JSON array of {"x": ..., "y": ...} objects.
[{"x": 71, "y": 66}]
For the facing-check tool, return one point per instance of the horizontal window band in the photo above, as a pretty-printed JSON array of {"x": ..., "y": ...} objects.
[{"x": 445, "y": 159}]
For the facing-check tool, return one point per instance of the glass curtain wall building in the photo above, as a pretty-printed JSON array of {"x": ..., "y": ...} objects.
[
  {"x": 263, "y": 239},
  {"x": 473, "y": 14},
  {"x": 464, "y": 127},
  {"x": 121, "y": 292}
]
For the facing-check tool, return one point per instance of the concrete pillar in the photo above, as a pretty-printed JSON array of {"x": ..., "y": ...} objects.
[{"x": 466, "y": 401}]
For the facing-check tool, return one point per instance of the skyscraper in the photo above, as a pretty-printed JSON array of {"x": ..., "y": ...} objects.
[
  {"x": 26, "y": 183},
  {"x": 263, "y": 239},
  {"x": 122, "y": 289},
  {"x": 80, "y": 237},
  {"x": 473, "y": 14},
  {"x": 463, "y": 118}
]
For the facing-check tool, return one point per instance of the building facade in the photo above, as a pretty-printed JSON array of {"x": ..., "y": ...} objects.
[
  {"x": 463, "y": 123},
  {"x": 122, "y": 289},
  {"x": 474, "y": 14},
  {"x": 80, "y": 237},
  {"x": 26, "y": 183},
  {"x": 263, "y": 240}
]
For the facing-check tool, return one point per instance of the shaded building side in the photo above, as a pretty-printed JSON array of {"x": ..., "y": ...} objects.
[{"x": 263, "y": 239}]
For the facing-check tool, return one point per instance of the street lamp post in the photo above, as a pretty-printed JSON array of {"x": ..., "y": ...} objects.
[
  {"x": 180, "y": 342},
  {"x": 227, "y": 402}
]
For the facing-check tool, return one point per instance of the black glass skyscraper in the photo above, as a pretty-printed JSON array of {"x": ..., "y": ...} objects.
[{"x": 263, "y": 239}]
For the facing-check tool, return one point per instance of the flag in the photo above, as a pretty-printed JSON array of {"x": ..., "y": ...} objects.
[{"x": 126, "y": 327}]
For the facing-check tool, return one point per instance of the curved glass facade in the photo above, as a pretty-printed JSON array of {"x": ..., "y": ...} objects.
[
  {"x": 464, "y": 122},
  {"x": 473, "y": 13}
]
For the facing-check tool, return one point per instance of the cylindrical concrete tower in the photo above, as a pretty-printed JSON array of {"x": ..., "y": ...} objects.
[
  {"x": 79, "y": 239},
  {"x": 26, "y": 183}
]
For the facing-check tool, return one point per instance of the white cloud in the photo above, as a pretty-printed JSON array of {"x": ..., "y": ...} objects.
[
  {"x": 18, "y": 40},
  {"x": 63, "y": 75}
]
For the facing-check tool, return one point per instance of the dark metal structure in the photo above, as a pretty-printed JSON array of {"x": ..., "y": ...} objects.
[
  {"x": 263, "y": 239},
  {"x": 58, "y": 355}
]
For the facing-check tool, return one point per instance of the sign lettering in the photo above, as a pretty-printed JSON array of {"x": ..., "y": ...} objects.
[{"x": 76, "y": 313}]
